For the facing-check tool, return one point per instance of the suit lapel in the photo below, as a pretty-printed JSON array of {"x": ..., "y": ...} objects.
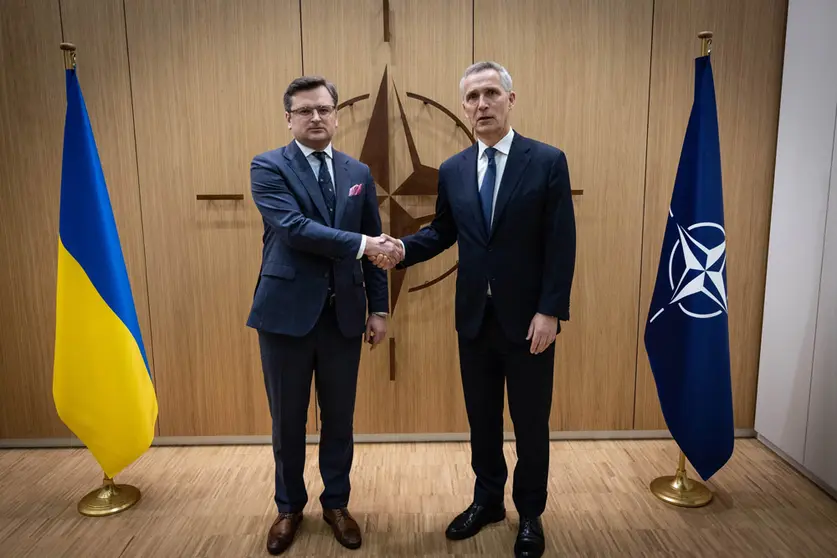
[
  {"x": 302, "y": 168},
  {"x": 341, "y": 186},
  {"x": 516, "y": 163},
  {"x": 468, "y": 172}
]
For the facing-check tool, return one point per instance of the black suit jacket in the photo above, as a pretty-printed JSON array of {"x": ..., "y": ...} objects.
[
  {"x": 529, "y": 256},
  {"x": 303, "y": 244}
]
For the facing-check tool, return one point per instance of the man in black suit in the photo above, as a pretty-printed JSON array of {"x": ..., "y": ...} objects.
[
  {"x": 320, "y": 214},
  {"x": 506, "y": 201}
]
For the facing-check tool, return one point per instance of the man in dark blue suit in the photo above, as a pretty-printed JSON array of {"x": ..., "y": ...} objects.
[
  {"x": 506, "y": 202},
  {"x": 311, "y": 302}
]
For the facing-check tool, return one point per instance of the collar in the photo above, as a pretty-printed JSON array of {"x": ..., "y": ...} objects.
[
  {"x": 307, "y": 151},
  {"x": 503, "y": 146}
]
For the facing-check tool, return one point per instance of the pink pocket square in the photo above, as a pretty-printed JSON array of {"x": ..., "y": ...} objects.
[{"x": 355, "y": 190}]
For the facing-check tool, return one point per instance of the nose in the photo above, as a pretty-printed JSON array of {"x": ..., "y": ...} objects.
[
  {"x": 483, "y": 104},
  {"x": 316, "y": 117}
]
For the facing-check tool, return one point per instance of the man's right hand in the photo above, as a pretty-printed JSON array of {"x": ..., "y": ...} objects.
[{"x": 384, "y": 251}]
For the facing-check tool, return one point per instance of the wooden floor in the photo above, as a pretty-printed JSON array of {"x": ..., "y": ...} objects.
[{"x": 217, "y": 501}]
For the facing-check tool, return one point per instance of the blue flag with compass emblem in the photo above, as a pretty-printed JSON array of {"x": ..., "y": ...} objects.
[{"x": 687, "y": 332}]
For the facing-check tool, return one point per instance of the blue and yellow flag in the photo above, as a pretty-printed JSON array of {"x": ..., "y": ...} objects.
[
  {"x": 101, "y": 383},
  {"x": 687, "y": 333}
]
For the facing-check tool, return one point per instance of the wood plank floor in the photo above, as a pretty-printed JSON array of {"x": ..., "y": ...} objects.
[{"x": 217, "y": 501}]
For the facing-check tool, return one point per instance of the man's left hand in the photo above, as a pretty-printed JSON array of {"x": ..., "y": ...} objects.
[
  {"x": 542, "y": 332},
  {"x": 376, "y": 330}
]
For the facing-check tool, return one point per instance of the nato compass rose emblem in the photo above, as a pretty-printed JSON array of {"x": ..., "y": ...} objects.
[
  {"x": 421, "y": 182},
  {"x": 696, "y": 267}
]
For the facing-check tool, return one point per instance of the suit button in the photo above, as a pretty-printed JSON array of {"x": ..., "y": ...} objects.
[
  {"x": 325, "y": 274},
  {"x": 490, "y": 249}
]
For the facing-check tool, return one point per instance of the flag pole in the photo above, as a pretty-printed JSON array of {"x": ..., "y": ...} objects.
[
  {"x": 110, "y": 498},
  {"x": 679, "y": 489}
]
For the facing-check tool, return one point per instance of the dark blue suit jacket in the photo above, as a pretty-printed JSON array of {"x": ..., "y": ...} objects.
[
  {"x": 529, "y": 257},
  {"x": 302, "y": 245}
]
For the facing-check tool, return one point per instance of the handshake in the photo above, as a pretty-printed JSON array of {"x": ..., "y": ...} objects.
[{"x": 384, "y": 251}]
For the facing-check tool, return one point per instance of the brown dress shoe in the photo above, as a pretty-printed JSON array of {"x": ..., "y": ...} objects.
[
  {"x": 282, "y": 532},
  {"x": 346, "y": 529}
]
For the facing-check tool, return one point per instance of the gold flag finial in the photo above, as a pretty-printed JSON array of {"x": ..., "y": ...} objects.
[
  {"x": 69, "y": 55},
  {"x": 706, "y": 42}
]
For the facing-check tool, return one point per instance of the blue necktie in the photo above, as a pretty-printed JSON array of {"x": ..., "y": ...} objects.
[{"x": 487, "y": 189}]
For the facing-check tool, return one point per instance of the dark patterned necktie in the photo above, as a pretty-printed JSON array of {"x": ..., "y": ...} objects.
[
  {"x": 327, "y": 188},
  {"x": 324, "y": 179}
]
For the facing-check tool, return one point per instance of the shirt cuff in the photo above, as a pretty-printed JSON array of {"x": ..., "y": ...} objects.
[{"x": 362, "y": 248}]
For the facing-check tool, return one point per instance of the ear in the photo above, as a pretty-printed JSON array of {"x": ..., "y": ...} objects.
[
  {"x": 465, "y": 110},
  {"x": 512, "y": 99},
  {"x": 468, "y": 120},
  {"x": 288, "y": 119}
]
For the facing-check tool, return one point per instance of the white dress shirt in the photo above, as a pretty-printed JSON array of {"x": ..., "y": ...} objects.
[{"x": 315, "y": 166}]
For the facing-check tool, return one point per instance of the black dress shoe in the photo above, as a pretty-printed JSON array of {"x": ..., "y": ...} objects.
[
  {"x": 468, "y": 523},
  {"x": 529, "y": 543}
]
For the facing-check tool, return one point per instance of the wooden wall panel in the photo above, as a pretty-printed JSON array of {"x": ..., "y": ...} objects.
[
  {"x": 580, "y": 70},
  {"x": 98, "y": 30},
  {"x": 32, "y": 105},
  {"x": 747, "y": 58},
  {"x": 610, "y": 82},
  {"x": 208, "y": 79},
  {"x": 429, "y": 386},
  {"x": 345, "y": 42}
]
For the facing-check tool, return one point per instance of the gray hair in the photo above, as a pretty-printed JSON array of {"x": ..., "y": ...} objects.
[{"x": 505, "y": 77}]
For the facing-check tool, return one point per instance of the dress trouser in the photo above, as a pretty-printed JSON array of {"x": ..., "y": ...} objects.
[
  {"x": 487, "y": 363},
  {"x": 288, "y": 364}
]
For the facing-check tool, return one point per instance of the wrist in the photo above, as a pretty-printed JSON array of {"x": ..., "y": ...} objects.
[{"x": 369, "y": 245}]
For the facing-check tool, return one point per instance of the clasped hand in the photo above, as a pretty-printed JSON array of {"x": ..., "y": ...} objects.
[{"x": 384, "y": 251}]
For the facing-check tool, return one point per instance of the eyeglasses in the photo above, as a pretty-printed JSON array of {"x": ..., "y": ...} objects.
[{"x": 308, "y": 112}]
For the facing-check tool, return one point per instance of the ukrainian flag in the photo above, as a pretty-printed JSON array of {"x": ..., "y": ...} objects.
[{"x": 101, "y": 384}]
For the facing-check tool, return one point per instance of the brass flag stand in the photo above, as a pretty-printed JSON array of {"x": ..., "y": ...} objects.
[
  {"x": 679, "y": 489},
  {"x": 110, "y": 498}
]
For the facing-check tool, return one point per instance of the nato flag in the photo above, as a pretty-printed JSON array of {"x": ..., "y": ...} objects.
[{"x": 687, "y": 333}]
